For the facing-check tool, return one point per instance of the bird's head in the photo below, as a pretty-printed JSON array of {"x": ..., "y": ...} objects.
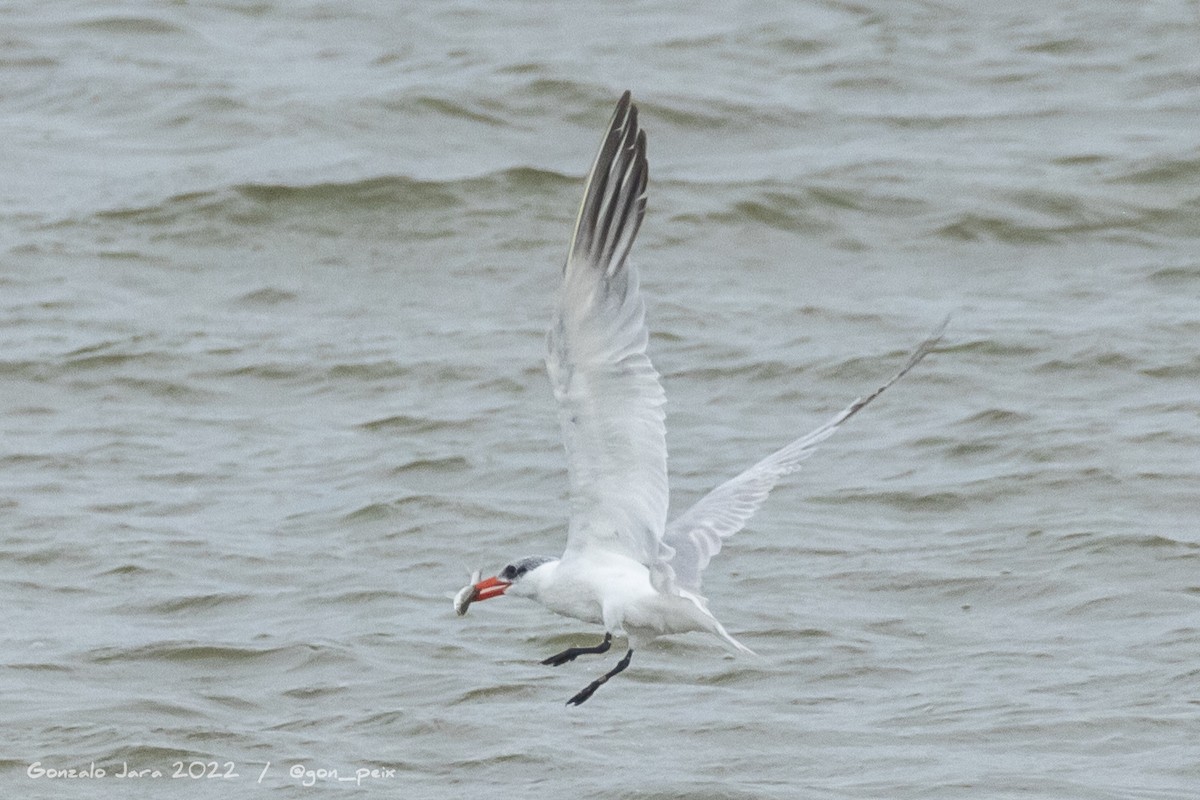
[{"x": 520, "y": 578}]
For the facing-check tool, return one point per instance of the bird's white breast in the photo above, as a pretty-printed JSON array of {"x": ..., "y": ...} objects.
[{"x": 596, "y": 587}]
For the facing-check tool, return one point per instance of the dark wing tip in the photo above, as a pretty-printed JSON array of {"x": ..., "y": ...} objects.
[
  {"x": 614, "y": 195},
  {"x": 926, "y": 347}
]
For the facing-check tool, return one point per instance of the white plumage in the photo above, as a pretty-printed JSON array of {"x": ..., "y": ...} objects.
[{"x": 624, "y": 567}]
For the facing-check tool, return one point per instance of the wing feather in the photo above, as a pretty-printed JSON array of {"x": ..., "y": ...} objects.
[
  {"x": 696, "y": 535},
  {"x": 609, "y": 396}
]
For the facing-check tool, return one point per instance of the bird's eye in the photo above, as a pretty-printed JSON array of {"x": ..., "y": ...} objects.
[{"x": 509, "y": 573}]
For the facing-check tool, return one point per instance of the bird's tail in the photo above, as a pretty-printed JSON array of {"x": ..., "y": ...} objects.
[
  {"x": 724, "y": 634},
  {"x": 712, "y": 624}
]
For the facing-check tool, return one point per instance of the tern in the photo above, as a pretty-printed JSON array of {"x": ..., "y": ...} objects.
[{"x": 625, "y": 568}]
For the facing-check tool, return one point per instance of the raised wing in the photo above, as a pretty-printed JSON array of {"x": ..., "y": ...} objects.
[
  {"x": 697, "y": 534},
  {"x": 609, "y": 398}
]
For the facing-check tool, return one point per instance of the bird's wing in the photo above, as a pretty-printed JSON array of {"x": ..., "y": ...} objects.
[
  {"x": 609, "y": 397},
  {"x": 697, "y": 534}
]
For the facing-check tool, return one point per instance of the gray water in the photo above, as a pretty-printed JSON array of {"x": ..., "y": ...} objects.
[{"x": 274, "y": 278}]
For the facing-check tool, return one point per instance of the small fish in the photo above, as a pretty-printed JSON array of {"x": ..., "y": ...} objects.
[{"x": 467, "y": 594}]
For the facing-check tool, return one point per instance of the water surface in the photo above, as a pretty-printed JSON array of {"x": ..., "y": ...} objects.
[{"x": 273, "y": 288}]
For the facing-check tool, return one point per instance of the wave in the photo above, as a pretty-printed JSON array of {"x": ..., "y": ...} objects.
[
  {"x": 251, "y": 203},
  {"x": 418, "y": 210},
  {"x": 402, "y": 423},
  {"x": 130, "y": 25},
  {"x": 1184, "y": 172},
  {"x": 195, "y": 651}
]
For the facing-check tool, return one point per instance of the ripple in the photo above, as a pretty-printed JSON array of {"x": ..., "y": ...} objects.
[
  {"x": 266, "y": 297},
  {"x": 972, "y": 227},
  {"x": 1109, "y": 543},
  {"x": 496, "y": 692},
  {"x": 998, "y": 417},
  {"x": 435, "y": 465},
  {"x": 1163, "y": 171},
  {"x": 1175, "y": 277},
  {"x": 140, "y": 26},
  {"x": 203, "y": 652},
  {"x": 1187, "y": 368},
  {"x": 931, "y": 502},
  {"x": 197, "y": 602},
  {"x": 457, "y": 109},
  {"x": 409, "y": 424}
]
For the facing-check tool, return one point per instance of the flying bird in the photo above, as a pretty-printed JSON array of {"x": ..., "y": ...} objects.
[{"x": 625, "y": 567}]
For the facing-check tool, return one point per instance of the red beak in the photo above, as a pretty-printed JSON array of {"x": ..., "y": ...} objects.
[{"x": 492, "y": 587}]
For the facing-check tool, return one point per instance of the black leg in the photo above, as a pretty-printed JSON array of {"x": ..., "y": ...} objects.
[
  {"x": 572, "y": 653},
  {"x": 591, "y": 688}
]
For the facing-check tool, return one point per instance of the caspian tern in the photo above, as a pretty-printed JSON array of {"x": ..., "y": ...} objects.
[{"x": 625, "y": 567}]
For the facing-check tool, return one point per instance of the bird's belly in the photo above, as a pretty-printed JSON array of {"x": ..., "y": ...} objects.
[
  {"x": 598, "y": 589},
  {"x": 575, "y": 604},
  {"x": 664, "y": 614}
]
